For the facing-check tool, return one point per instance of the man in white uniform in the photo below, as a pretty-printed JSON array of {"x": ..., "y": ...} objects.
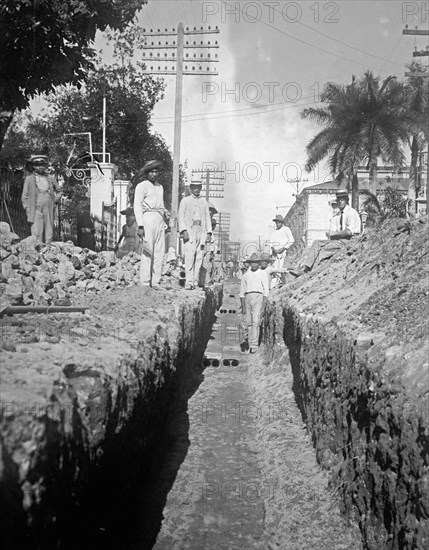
[
  {"x": 280, "y": 240},
  {"x": 346, "y": 224},
  {"x": 149, "y": 212},
  {"x": 195, "y": 229}
]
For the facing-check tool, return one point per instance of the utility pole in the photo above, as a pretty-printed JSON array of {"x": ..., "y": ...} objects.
[
  {"x": 179, "y": 69},
  {"x": 209, "y": 177},
  {"x": 422, "y": 53},
  {"x": 296, "y": 181}
]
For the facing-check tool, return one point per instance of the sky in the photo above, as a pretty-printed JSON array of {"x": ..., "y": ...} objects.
[{"x": 274, "y": 59}]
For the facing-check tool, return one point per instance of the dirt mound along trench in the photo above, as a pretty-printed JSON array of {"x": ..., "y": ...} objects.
[
  {"x": 356, "y": 329},
  {"x": 81, "y": 409}
]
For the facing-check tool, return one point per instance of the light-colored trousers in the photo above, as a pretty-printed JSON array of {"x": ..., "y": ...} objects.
[
  {"x": 194, "y": 253},
  {"x": 154, "y": 234},
  {"x": 323, "y": 250},
  {"x": 254, "y": 302},
  {"x": 43, "y": 218}
]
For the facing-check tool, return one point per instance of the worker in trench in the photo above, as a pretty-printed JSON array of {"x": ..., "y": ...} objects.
[
  {"x": 195, "y": 229},
  {"x": 253, "y": 294},
  {"x": 151, "y": 216}
]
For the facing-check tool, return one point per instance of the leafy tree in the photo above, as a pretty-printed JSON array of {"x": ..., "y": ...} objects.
[
  {"x": 46, "y": 43},
  {"x": 363, "y": 121},
  {"x": 388, "y": 204}
]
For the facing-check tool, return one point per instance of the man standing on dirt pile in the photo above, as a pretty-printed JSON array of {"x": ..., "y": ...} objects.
[
  {"x": 280, "y": 240},
  {"x": 195, "y": 229},
  {"x": 149, "y": 211},
  {"x": 346, "y": 225},
  {"x": 39, "y": 195}
]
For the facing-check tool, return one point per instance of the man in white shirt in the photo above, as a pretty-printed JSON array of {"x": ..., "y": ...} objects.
[
  {"x": 280, "y": 240},
  {"x": 149, "y": 211},
  {"x": 253, "y": 293},
  {"x": 195, "y": 229},
  {"x": 346, "y": 225}
]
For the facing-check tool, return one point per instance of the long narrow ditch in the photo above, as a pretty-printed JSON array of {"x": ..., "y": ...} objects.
[{"x": 249, "y": 478}]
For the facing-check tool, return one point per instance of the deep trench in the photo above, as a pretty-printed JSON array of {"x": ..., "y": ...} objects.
[{"x": 121, "y": 511}]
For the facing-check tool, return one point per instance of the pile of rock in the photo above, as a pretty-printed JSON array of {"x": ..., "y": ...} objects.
[{"x": 38, "y": 274}]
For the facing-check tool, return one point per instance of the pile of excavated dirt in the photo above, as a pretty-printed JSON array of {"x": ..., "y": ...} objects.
[
  {"x": 56, "y": 274},
  {"x": 357, "y": 333}
]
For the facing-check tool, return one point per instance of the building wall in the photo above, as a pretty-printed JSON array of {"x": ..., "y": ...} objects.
[{"x": 319, "y": 215}]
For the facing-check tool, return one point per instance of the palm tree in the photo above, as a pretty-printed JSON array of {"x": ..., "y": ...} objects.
[
  {"x": 364, "y": 121},
  {"x": 417, "y": 104}
]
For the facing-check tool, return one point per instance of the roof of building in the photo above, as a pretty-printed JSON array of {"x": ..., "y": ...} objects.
[{"x": 332, "y": 186}]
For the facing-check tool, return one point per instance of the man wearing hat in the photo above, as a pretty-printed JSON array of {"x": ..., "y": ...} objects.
[
  {"x": 129, "y": 234},
  {"x": 195, "y": 228},
  {"x": 149, "y": 211},
  {"x": 253, "y": 292},
  {"x": 38, "y": 198},
  {"x": 281, "y": 239},
  {"x": 345, "y": 225}
]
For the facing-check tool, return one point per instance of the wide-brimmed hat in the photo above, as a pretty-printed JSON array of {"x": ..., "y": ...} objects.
[
  {"x": 200, "y": 183},
  {"x": 151, "y": 165},
  {"x": 341, "y": 193},
  {"x": 254, "y": 258},
  {"x": 265, "y": 257},
  {"x": 278, "y": 218},
  {"x": 212, "y": 207},
  {"x": 128, "y": 211},
  {"x": 39, "y": 160}
]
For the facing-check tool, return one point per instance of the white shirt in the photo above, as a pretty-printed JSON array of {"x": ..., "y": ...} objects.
[
  {"x": 281, "y": 238},
  {"x": 254, "y": 281},
  {"x": 350, "y": 221},
  {"x": 147, "y": 196},
  {"x": 194, "y": 216}
]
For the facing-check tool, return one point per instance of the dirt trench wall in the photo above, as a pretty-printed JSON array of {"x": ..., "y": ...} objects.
[
  {"x": 363, "y": 387},
  {"x": 71, "y": 470}
]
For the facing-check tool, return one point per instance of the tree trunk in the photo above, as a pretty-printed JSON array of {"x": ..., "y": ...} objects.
[
  {"x": 413, "y": 183},
  {"x": 372, "y": 185},
  {"x": 355, "y": 192},
  {"x": 5, "y": 120}
]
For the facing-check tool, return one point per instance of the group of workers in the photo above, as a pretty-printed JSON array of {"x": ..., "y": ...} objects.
[
  {"x": 258, "y": 280},
  {"x": 146, "y": 224}
]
